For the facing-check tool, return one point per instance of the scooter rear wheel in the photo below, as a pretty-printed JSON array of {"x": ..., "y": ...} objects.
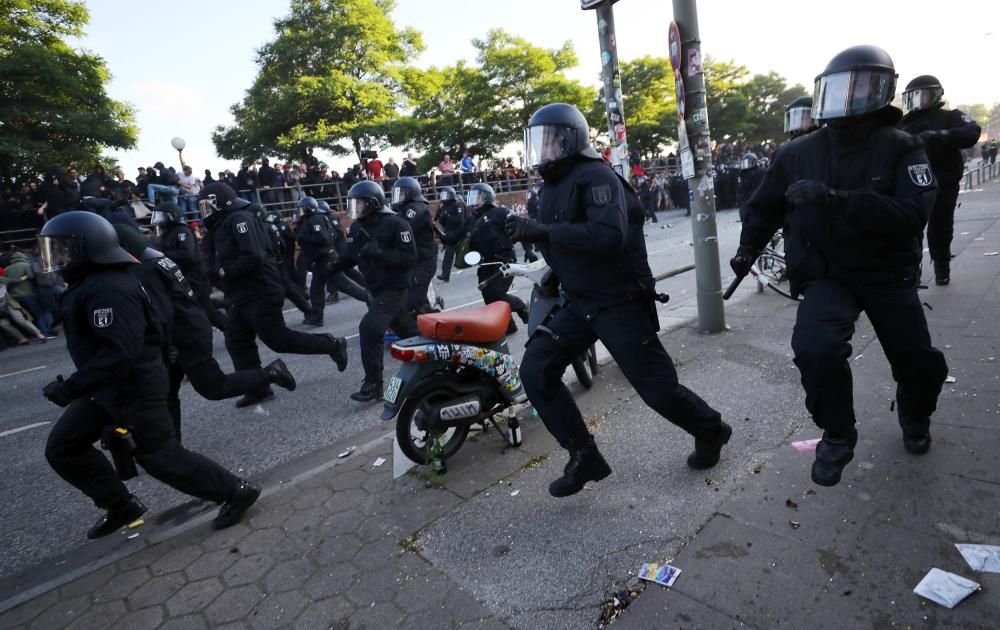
[
  {"x": 413, "y": 441},
  {"x": 585, "y": 367}
]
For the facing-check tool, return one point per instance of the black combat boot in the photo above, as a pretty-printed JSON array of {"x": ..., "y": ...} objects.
[
  {"x": 278, "y": 373},
  {"x": 239, "y": 502},
  {"x": 585, "y": 464},
  {"x": 942, "y": 272},
  {"x": 255, "y": 398},
  {"x": 916, "y": 435},
  {"x": 117, "y": 517},
  {"x": 833, "y": 453},
  {"x": 339, "y": 351},
  {"x": 368, "y": 392},
  {"x": 706, "y": 452}
]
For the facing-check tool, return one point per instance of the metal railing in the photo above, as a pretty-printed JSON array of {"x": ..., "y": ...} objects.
[{"x": 980, "y": 173}]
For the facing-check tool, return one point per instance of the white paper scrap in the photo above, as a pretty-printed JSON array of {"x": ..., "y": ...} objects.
[
  {"x": 945, "y": 588},
  {"x": 981, "y": 557}
]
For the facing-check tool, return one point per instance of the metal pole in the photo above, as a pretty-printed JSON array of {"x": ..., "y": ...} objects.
[
  {"x": 708, "y": 279},
  {"x": 612, "y": 81}
]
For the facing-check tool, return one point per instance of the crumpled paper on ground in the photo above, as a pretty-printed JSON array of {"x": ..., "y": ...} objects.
[
  {"x": 981, "y": 557},
  {"x": 945, "y": 588}
]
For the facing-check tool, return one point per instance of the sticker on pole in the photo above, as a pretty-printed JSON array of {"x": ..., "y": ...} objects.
[
  {"x": 694, "y": 62},
  {"x": 674, "y": 41},
  {"x": 679, "y": 90}
]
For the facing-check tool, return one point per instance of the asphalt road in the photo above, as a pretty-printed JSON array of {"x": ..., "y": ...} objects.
[{"x": 43, "y": 516}]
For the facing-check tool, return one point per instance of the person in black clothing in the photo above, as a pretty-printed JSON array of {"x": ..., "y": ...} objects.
[
  {"x": 408, "y": 201},
  {"x": 798, "y": 117},
  {"x": 208, "y": 179},
  {"x": 751, "y": 175},
  {"x": 381, "y": 243},
  {"x": 55, "y": 196},
  {"x": 178, "y": 243},
  {"x": 487, "y": 236},
  {"x": 266, "y": 179},
  {"x": 944, "y": 132},
  {"x": 120, "y": 381},
  {"x": 647, "y": 197},
  {"x": 409, "y": 168},
  {"x": 452, "y": 215},
  {"x": 246, "y": 182},
  {"x": 283, "y": 244},
  {"x": 853, "y": 198},
  {"x": 94, "y": 192},
  {"x": 316, "y": 240},
  {"x": 585, "y": 232},
  {"x": 242, "y": 256},
  {"x": 351, "y": 281}
]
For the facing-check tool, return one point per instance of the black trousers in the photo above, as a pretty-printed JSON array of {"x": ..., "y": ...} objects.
[
  {"x": 293, "y": 292},
  {"x": 821, "y": 343},
  {"x": 386, "y": 310},
  {"x": 447, "y": 261},
  {"x": 345, "y": 283},
  {"x": 420, "y": 279},
  {"x": 203, "y": 295},
  {"x": 630, "y": 335},
  {"x": 941, "y": 225},
  {"x": 208, "y": 379},
  {"x": 496, "y": 291},
  {"x": 317, "y": 288},
  {"x": 263, "y": 318},
  {"x": 71, "y": 453}
]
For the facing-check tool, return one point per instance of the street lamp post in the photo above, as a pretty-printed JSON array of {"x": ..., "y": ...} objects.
[
  {"x": 178, "y": 144},
  {"x": 612, "y": 82}
]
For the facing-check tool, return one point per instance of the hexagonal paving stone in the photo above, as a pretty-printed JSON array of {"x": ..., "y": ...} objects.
[
  {"x": 176, "y": 560},
  {"x": 330, "y": 613},
  {"x": 383, "y": 615},
  {"x": 375, "y": 586},
  {"x": 29, "y": 610},
  {"x": 288, "y": 575},
  {"x": 382, "y": 553},
  {"x": 211, "y": 564},
  {"x": 305, "y": 520},
  {"x": 330, "y": 581},
  {"x": 121, "y": 585},
  {"x": 311, "y": 497},
  {"x": 62, "y": 612},
  {"x": 143, "y": 558},
  {"x": 100, "y": 616},
  {"x": 156, "y": 590},
  {"x": 423, "y": 592},
  {"x": 194, "y": 597},
  {"x": 248, "y": 569},
  {"x": 225, "y": 538},
  {"x": 188, "y": 622},
  {"x": 234, "y": 604},
  {"x": 145, "y": 618},
  {"x": 351, "y": 479},
  {"x": 278, "y": 611},
  {"x": 345, "y": 522},
  {"x": 337, "y": 549},
  {"x": 347, "y": 499},
  {"x": 262, "y": 541}
]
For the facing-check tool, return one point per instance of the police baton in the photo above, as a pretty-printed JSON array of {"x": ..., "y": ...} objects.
[{"x": 732, "y": 286}]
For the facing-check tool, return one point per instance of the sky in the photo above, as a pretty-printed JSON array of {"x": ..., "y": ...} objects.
[{"x": 182, "y": 70}]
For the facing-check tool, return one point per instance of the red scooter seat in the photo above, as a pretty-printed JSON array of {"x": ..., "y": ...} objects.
[{"x": 485, "y": 324}]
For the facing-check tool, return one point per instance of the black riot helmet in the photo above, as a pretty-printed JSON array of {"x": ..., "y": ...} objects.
[
  {"x": 165, "y": 213},
  {"x": 555, "y": 133},
  {"x": 798, "y": 117},
  {"x": 322, "y": 206},
  {"x": 76, "y": 238},
  {"x": 307, "y": 206},
  {"x": 923, "y": 92},
  {"x": 406, "y": 189},
  {"x": 365, "y": 198},
  {"x": 273, "y": 217},
  {"x": 447, "y": 193},
  {"x": 217, "y": 197},
  {"x": 857, "y": 81},
  {"x": 481, "y": 195},
  {"x": 748, "y": 162}
]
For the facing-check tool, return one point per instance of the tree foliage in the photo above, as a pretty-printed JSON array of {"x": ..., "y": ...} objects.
[
  {"x": 54, "y": 110},
  {"x": 334, "y": 73}
]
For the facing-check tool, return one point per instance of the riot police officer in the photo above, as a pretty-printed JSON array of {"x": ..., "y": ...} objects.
[
  {"x": 487, "y": 236},
  {"x": 178, "y": 242},
  {"x": 351, "y": 281},
  {"x": 944, "y": 132},
  {"x": 188, "y": 333},
  {"x": 853, "y": 198},
  {"x": 452, "y": 216},
  {"x": 316, "y": 242},
  {"x": 381, "y": 243},
  {"x": 582, "y": 231},
  {"x": 241, "y": 254},
  {"x": 751, "y": 175},
  {"x": 798, "y": 117},
  {"x": 408, "y": 201},
  {"x": 120, "y": 382},
  {"x": 283, "y": 245}
]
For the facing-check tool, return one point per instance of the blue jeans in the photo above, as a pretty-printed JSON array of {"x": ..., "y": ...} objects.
[
  {"x": 42, "y": 317},
  {"x": 189, "y": 204},
  {"x": 152, "y": 189}
]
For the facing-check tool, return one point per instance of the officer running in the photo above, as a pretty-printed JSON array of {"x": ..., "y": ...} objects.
[
  {"x": 582, "y": 231},
  {"x": 408, "y": 201},
  {"x": 452, "y": 216},
  {"x": 853, "y": 198},
  {"x": 120, "y": 382}
]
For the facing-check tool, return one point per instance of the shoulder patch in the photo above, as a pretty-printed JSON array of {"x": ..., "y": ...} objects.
[
  {"x": 601, "y": 194},
  {"x": 405, "y": 236},
  {"x": 166, "y": 263},
  {"x": 103, "y": 317},
  {"x": 182, "y": 237},
  {"x": 242, "y": 227},
  {"x": 411, "y": 213},
  {"x": 920, "y": 174},
  {"x": 317, "y": 227},
  {"x": 966, "y": 119}
]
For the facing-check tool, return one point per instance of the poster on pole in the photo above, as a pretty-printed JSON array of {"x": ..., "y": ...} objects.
[
  {"x": 674, "y": 41},
  {"x": 684, "y": 150},
  {"x": 679, "y": 93}
]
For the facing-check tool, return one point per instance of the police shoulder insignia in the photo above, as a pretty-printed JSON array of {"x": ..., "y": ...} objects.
[
  {"x": 103, "y": 317},
  {"x": 920, "y": 174},
  {"x": 966, "y": 119},
  {"x": 182, "y": 237},
  {"x": 406, "y": 236},
  {"x": 317, "y": 228},
  {"x": 242, "y": 227},
  {"x": 411, "y": 213},
  {"x": 601, "y": 194},
  {"x": 166, "y": 263}
]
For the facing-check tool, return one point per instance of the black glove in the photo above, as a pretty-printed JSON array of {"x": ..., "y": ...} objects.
[
  {"x": 58, "y": 392},
  {"x": 743, "y": 260},
  {"x": 549, "y": 286},
  {"x": 928, "y": 136},
  {"x": 371, "y": 249},
  {"x": 808, "y": 191},
  {"x": 519, "y": 230}
]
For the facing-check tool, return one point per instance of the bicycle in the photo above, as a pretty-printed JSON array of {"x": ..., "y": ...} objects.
[{"x": 768, "y": 270}]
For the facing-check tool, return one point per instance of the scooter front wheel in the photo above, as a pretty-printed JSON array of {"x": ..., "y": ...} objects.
[
  {"x": 412, "y": 440},
  {"x": 585, "y": 367}
]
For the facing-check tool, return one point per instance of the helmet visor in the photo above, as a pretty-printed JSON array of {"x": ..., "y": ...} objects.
[
  {"x": 398, "y": 196},
  {"x": 799, "y": 119},
  {"x": 357, "y": 207},
  {"x": 447, "y": 195},
  {"x": 921, "y": 99},
  {"x": 58, "y": 252},
  {"x": 476, "y": 198},
  {"x": 207, "y": 206},
  {"x": 852, "y": 93},
  {"x": 548, "y": 143},
  {"x": 159, "y": 218}
]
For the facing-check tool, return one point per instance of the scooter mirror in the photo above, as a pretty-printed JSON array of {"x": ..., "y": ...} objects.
[{"x": 473, "y": 258}]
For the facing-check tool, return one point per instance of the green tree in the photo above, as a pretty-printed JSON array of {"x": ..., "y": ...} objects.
[
  {"x": 977, "y": 111},
  {"x": 334, "y": 73},
  {"x": 767, "y": 95},
  {"x": 54, "y": 110}
]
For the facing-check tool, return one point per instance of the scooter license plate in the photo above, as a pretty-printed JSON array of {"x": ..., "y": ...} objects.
[{"x": 392, "y": 390}]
